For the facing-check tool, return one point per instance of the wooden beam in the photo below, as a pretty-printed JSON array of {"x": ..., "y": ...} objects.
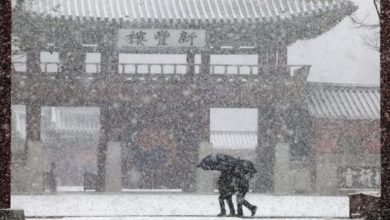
[{"x": 5, "y": 104}]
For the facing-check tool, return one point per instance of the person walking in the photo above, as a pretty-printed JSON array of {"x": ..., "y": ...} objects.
[
  {"x": 226, "y": 191},
  {"x": 242, "y": 174},
  {"x": 235, "y": 176},
  {"x": 225, "y": 164}
]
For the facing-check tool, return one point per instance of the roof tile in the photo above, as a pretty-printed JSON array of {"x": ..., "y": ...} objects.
[
  {"x": 187, "y": 10},
  {"x": 332, "y": 101}
]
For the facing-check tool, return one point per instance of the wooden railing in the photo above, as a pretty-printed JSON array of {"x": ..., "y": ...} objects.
[
  {"x": 92, "y": 69},
  {"x": 240, "y": 69},
  {"x": 152, "y": 68}
]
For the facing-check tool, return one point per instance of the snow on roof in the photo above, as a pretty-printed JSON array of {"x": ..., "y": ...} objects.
[
  {"x": 186, "y": 10},
  {"x": 340, "y": 101}
]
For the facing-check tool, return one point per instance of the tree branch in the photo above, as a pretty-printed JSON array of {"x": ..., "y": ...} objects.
[
  {"x": 361, "y": 24},
  {"x": 376, "y": 3}
]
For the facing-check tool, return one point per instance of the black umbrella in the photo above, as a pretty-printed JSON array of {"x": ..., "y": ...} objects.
[{"x": 220, "y": 162}]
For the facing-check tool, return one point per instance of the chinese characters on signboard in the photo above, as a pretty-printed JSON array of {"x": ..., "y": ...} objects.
[
  {"x": 359, "y": 177},
  {"x": 161, "y": 38}
]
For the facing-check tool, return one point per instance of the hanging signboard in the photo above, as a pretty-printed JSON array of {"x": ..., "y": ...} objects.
[{"x": 161, "y": 38}]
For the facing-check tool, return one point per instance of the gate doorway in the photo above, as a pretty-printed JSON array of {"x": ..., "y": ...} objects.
[
  {"x": 70, "y": 137},
  {"x": 233, "y": 131}
]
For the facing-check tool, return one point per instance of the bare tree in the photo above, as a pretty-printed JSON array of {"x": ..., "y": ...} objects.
[{"x": 371, "y": 40}]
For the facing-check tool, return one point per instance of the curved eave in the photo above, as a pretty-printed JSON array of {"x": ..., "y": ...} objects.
[
  {"x": 308, "y": 27},
  {"x": 198, "y": 13}
]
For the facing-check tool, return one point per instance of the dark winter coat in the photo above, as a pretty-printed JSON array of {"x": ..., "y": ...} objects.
[
  {"x": 225, "y": 184},
  {"x": 242, "y": 173},
  {"x": 237, "y": 179}
]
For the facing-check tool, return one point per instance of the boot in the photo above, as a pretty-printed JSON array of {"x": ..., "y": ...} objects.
[
  {"x": 253, "y": 210},
  {"x": 231, "y": 207},
  {"x": 239, "y": 210},
  {"x": 222, "y": 206},
  {"x": 221, "y": 214},
  {"x": 232, "y": 213}
]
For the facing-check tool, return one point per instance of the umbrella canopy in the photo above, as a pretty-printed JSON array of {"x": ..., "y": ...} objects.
[{"x": 220, "y": 162}]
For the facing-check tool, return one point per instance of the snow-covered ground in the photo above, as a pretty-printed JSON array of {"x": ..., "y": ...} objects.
[{"x": 125, "y": 205}]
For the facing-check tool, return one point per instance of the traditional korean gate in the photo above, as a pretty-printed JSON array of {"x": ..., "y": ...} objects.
[{"x": 221, "y": 27}]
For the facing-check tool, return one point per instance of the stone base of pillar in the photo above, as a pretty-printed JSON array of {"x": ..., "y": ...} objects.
[
  {"x": 326, "y": 174},
  {"x": 12, "y": 214},
  {"x": 32, "y": 179},
  {"x": 113, "y": 178},
  {"x": 204, "y": 179},
  {"x": 301, "y": 180},
  {"x": 282, "y": 177}
]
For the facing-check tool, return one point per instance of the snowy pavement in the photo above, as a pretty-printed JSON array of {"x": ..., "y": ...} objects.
[{"x": 162, "y": 206}]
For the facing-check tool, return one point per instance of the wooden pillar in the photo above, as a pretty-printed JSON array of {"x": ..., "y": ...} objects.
[
  {"x": 33, "y": 121},
  {"x": 109, "y": 51},
  {"x": 33, "y": 108},
  {"x": 281, "y": 60},
  {"x": 272, "y": 60},
  {"x": 72, "y": 53},
  {"x": 205, "y": 123},
  {"x": 190, "y": 129},
  {"x": 265, "y": 149},
  {"x": 32, "y": 178},
  {"x": 5, "y": 105},
  {"x": 109, "y": 157},
  {"x": 262, "y": 60},
  {"x": 102, "y": 148},
  {"x": 33, "y": 60},
  {"x": 205, "y": 63},
  {"x": 190, "y": 63},
  {"x": 204, "y": 181},
  {"x": 282, "y": 53}
]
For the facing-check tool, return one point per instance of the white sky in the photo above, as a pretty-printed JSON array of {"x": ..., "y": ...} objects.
[{"x": 340, "y": 55}]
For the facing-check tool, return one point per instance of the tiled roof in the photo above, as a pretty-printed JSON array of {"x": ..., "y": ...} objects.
[
  {"x": 75, "y": 119},
  {"x": 186, "y": 10},
  {"x": 233, "y": 139},
  {"x": 332, "y": 101}
]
